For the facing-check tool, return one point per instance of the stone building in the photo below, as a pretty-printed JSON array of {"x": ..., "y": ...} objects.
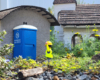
[
  {"x": 33, "y": 15},
  {"x": 74, "y": 18}
]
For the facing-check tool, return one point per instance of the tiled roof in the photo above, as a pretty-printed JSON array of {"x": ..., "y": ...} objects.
[
  {"x": 64, "y": 1},
  {"x": 84, "y": 14},
  {"x": 5, "y": 12},
  {"x": 40, "y": 10}
]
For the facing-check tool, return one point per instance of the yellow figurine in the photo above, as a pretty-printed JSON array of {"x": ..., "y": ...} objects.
[{"x": 48, "y": 51}]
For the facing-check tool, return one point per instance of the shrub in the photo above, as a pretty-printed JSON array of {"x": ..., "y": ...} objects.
[
  {"x": 88, "y": 47},
  {"x": 5, "y": 50},
  {"x": 72, "y": 64},
  {"x": 21, "y": 63},
  {"x": 58, "y": 46}
]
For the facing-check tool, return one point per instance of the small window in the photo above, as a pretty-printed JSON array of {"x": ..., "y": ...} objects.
[
  {"x": 93, "y": 37},
  {"x": 76, "y": 39}
]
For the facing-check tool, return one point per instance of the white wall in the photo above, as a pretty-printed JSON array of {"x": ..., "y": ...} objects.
[
  {"x": 68, "y": 33},
  {"x": 57, "y": 8}
]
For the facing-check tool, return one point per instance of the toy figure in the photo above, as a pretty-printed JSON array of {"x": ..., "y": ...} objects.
[{"x": 48, "y": 51}]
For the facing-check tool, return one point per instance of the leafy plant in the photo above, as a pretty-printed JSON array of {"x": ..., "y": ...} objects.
[
  {"x": 21, "y": 63},
  {"x": 58, "y": 46},
  {"x": 88, "y": 46},
  {"x": 68, "y": 65},
  {"x": 5, "y": 50}
]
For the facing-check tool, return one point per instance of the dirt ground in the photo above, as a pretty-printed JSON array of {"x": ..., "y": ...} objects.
[{"x": 96, "y": 57}]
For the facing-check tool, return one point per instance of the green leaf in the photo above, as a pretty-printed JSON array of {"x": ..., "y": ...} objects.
[{"x": 1, "y": 40}]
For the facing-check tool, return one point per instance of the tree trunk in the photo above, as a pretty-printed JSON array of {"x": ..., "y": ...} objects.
[{"x": 29, "y": 72}]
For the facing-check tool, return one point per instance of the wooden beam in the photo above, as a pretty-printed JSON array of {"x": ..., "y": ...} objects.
[
  {"x": 44, "y": 14},
  {"x": 49, "y": 18},
  {"x": 29, "y": 72},
  {"x": 39, "y": 11},
  {"x": 54, "y": 24}
]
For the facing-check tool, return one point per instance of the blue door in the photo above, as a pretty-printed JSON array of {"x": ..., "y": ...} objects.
[
  {"x": 17, "y": 43},
  {"x": 29, "y": 44}
]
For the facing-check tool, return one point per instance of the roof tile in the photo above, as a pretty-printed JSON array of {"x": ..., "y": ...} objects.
[
  {"x": 84, "y": 14},
  {"x": 5, "y": 12},
  {"x": 64, "y": 1}
]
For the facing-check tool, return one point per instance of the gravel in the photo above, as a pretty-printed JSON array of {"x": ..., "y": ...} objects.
[{"x": 62, "y": 76}]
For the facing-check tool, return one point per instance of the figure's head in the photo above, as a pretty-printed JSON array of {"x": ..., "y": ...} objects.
[{"x": 49, "y": 43}]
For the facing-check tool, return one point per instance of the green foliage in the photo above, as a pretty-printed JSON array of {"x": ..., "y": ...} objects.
[
  {"x": 69, "y": 65},
  {"x": 51, "y": 27},
  {"x": 58, "y": 46},
  {"x": 80, "y": 2},
  {"x": 2, "y": 34},
  {"x": 5, "y": 50},
  {"x": 57, "y": 56},
  {"x": 51, "y": 10},
  {"x": 88, "y": 47},
  {"x": 72, "y": 64},
  {"x": 3, "y": 66},
  {"x": 21, "y": 63}
]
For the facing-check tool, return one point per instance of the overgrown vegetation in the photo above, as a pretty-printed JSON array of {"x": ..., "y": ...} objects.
[
  {"x": 79, "y": 57},
  {"x": 5, "y": 50},
  {"x": 72, "y": 64},
  {"x": 89, "y": 45},
  {"x": 87, "y": 48},
  {"x": 65, "y": 60},
  {"x": 21, "y": 63},
  {"x": 51, "y": 10},
  {"x": 58, "y": 47}
]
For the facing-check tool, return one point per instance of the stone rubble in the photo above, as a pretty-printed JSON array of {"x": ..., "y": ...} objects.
[{"x": 62, "y": 76}]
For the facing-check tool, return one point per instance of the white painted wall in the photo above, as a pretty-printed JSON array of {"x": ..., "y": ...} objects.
[
  {"x": 68, "y": 33},
  {"x": 57, "y": 8}
]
